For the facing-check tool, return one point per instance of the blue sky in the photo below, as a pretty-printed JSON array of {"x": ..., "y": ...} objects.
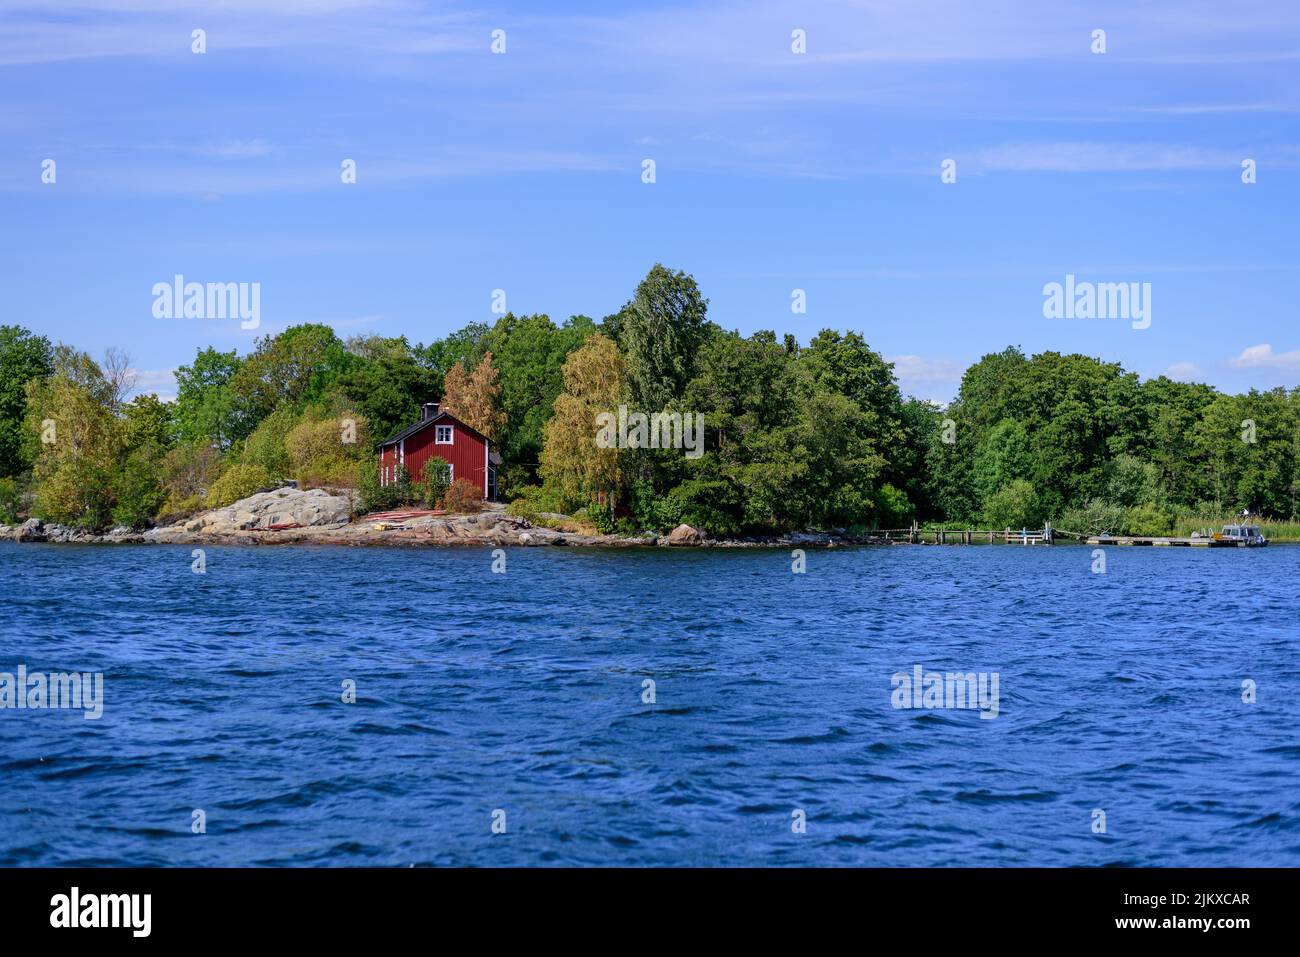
[{"x": 775, "y": 170}]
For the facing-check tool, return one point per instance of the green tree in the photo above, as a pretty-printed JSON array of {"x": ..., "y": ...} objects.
[
  {"x": 24, "y": 356},
  {"x": 76, "y": 439},
  {"x": 572, "y": 464},
  {"x": 206, "y": 405},
  {"x": 661, "y": 330},
  {"x": 389, "y": 384}
]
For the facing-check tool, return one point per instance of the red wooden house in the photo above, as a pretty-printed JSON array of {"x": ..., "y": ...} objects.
[{"x": 468, "y": 453}]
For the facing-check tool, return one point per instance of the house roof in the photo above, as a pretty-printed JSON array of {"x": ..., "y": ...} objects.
[{"x": 441, "y": 417}]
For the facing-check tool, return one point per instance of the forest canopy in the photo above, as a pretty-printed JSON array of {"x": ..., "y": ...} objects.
[{"x": 796, "y": 436}]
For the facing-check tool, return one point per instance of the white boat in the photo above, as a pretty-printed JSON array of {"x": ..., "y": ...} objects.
[{"x": 1243, "y": 536}]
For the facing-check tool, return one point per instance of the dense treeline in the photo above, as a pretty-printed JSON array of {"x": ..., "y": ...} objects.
[{"x": 794, "y": 436}]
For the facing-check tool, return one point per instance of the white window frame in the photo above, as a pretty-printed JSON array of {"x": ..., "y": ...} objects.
[{"x": 437, "y": 435}]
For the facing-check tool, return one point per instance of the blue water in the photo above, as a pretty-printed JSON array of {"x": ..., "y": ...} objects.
[{"x": 522, "y": 693}]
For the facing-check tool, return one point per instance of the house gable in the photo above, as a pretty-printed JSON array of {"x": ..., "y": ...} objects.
[{"x": 466, "y": 450}]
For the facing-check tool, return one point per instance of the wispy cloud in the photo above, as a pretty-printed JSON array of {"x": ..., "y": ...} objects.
[
  {"x": 1184, "y": 372},
  {"x": 1091, "y": 157},
  {"x": 1263, "y": 357},
  {"x": 935, "y": 379}
]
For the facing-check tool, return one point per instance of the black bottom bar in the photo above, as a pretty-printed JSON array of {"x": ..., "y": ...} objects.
[{"x": 333, "y": 906}]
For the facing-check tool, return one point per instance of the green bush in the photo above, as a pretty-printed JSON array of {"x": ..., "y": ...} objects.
[
  {"x": 437, "y": 479},
  {"x": 891, "y": 507},
  {"x": 599, "y": 516},
  {"x": 140, "y": 496},
  {"x": 239, "y": 481},
  {"x": 383, "y": 498},
  {"x": 1149, "y": 520},
  {"x": 1095, "y": 518},
  {"x": 11, "y": 501},
  {"x": 1014, "y": 505}
]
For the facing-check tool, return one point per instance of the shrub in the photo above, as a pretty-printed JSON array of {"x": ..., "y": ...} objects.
[
  {"x": 1094, "y": 518},
  {"x": 437, "y": 478},
  {"x": 652, "y": 510},
  {"x": 1149, "y": 520},
  {"x": 239, "y": 481},
  {"x": 139, "y": 495},
  {"x": 531, "y": 500},
  {"x": 463, "y": 496},
  {"x": 266, "y": 446},
  {"x": 891, "y": 507},
  {"x": 599, "y": 516},
  {"x": 11, "y": 501},
  {"x": 188, "y": 469},
  {"x": 1014, "y": 505},
  {"x": 75, "y": 493},
  {"x": 320, "y": 454},
  {"x": 382, "y": 498}
]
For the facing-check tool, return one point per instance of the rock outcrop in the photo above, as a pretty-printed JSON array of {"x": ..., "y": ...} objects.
[
  {"x": 685, "y": 535},
  {"x": 281, "y": 508}
]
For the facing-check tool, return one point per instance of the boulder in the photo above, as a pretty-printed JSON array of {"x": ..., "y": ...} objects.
[
  {"x": 32, "y": 530},
  {"x": 282, "y": 506},
  {"x": 685, "y": 535}
]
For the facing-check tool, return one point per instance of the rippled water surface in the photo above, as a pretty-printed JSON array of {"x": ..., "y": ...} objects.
[{"x": 523, "y": 692}]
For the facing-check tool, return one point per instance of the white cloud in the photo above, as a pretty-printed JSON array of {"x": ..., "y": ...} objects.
[
  {"x": 1263, "y": 357},
  {"x": 934, "y": 379},
  {"x": 1184, "y": 372},
  {"x": 1111, "y": 157},
  {"x": 159, "y": 382}
]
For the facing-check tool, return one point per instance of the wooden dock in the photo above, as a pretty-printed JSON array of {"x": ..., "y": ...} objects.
[
  {"x": 1159, "y": 541},
  {"x": 966, "y": 536},
  {"x": 1045, "y": 536}
]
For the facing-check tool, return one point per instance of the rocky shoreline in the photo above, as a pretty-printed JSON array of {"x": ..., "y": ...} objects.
[{"x": 319, "y": 517}]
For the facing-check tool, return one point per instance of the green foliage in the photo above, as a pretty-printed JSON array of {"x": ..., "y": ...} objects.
[
  {"x": 11, "y": 500},
  {"x": 660, "y": 331},
  {"x": 207, "y": 409},
  {"x": 328, "y": 450},
  {"x": 1015, "y": 505},
  {"x": 1095, "y": 517},
  {"x": 793, "y": 437},
  {"x": 892, "y": 509},
  {"x": 266, "y": 448},
  {"x": 299, "y": 365},
  {"x": 138, "y": 493},
  {"x": 239, "y": 481},
  {"x": 532, "y": 500},
  {"x": 600, "y": 517},
  {"x": 1149, "y": 519},
  {"x": 436, "y": 481},
  {"x": 388, "y": 384},
  {"x": 529, "y": 353},
  {"x": 24, "y": 357},
  {"x": 1130, "y": 481},
  {"x": 76, "y": 441},
  {"x": 382, "y": 498}
]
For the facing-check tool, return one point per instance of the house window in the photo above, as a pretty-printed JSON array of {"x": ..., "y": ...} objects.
[{"x": 443, "y": 436}]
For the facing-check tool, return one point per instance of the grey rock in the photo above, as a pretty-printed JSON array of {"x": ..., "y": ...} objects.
[{"x": 32, "y": 530}]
